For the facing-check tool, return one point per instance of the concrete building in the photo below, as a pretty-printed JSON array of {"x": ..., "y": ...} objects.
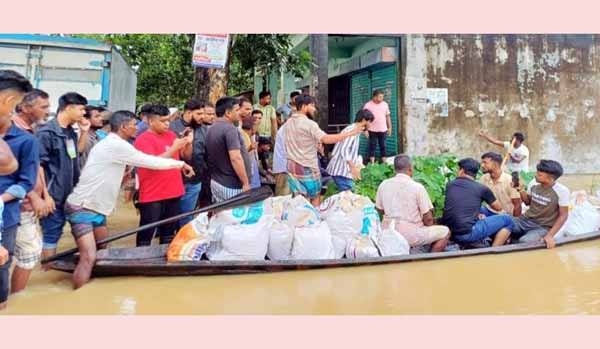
[{"x": 443, "y": 89}]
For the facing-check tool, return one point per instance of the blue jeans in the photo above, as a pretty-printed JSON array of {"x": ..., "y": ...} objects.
[
  {"x": 188, "y": 201},
  {"x": 343, "y": 183},
  {"x": 9, "y": 237},
  {"x": 487, "y": 212},
  {"x": 52, "y": 227},
  {"x": 255, "y": 183},
  {"x": 485, "y": 227}
]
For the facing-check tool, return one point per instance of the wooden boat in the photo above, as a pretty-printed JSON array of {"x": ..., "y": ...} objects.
[{"x": 151, "y": 260}]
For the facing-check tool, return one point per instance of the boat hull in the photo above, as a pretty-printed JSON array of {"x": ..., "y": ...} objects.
[{"x": 151, "y": 261}]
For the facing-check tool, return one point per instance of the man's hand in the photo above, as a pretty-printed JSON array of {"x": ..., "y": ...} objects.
[
  {"x": 355, "y": 173},
  {"x": 253, "y": 146},
  {"x": 389, "y": 132},
  {"x": 84, "y": 125},
  {"x": 246, "y": 187},
  {"x": 187, "y": 170},
  {"x": 549, "y": 240},
  {"x": 3, "y": 255},
  {"x": 39, "y": 206},
  {"x": 366, "y": 133},
  {"x": 179, "y": 143},
  {"x": 50, "y": 204},
  {"x": 483, "y": 134},
  {"x": 482, "y": 216}
]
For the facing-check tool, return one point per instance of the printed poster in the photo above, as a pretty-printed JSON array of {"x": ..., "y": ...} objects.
[
  {"x": 210, "y": 51},
  {"x": 437, "y": 100}
]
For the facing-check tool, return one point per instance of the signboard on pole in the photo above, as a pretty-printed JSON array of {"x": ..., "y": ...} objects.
[{"x": 210, "y": 50}]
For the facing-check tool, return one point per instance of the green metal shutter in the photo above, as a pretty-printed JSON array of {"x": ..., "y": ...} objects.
[
  {"x": 386, "y": 79},
  {"x": 363, "y": 85},
  {"x": 360, "y": 93}
]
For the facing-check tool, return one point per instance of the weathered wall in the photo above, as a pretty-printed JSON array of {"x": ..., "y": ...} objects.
[{"x": 547, "y": 86}]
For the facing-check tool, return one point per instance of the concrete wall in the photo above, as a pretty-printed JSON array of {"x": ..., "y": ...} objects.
[{"x": 547, "y": 86}]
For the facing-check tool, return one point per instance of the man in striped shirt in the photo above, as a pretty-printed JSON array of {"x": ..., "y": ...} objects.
[{"x": 344, "y": 160}]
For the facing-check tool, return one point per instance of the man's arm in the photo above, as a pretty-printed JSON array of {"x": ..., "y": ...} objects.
[
  {"x": 27, "y": 175},
  {"x": 178, "y": 144},
  {"x": 388, "y": 120},
  {"x": 517, "y": 159},
  {"x": 84, "y": 127},
  {"x": 563, "y": 213},
  {"x": 334, "y": 138},
  {"x": 517, "y": 210},
  {"x": 428, "y": 219},
  {"x": 525, "y": 197},
  {"x": 496, "y": 206},
  {"x": 273, "y": 128},
  {"x": 8, "y": 163},
  {"x": 491, "y": 139},
  {"x": 235, "y": 156},
  {"x": 126, "y": 154}
]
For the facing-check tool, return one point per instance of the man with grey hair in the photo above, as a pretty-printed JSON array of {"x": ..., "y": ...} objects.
[
  {"x": 406, "y": 203},
  {"x": 95, "y": 196}
]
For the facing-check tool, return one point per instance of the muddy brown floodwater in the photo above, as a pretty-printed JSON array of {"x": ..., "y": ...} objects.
[{"x": 565, "y": 280}]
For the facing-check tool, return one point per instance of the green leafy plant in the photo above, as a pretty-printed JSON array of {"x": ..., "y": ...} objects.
[
  {"x": 527, "y": 177},
  {"x": 434, "y": 172}
]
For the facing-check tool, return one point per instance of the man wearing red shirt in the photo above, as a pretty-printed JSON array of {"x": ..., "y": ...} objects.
[{"x": 160, "y": 191}]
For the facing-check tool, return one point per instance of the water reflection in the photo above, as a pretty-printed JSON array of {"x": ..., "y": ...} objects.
[{"x": 560, "y": 281}]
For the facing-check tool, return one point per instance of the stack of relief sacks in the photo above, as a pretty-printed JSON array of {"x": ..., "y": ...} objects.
[{"x": 283, "y": 228}]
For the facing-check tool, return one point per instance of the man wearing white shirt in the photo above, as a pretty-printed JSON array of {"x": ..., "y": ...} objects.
[
  {"x": 519, "y": 153},
  {"x": 280, "y": 164},
  {"x": 95, "y": 196}
]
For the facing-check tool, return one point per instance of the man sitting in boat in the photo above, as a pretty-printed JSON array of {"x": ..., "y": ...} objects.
[
  {"x": 548, "y": 203},
  {"x": 500, "y": 183},
  {"x": 406, "y": 203},
  {"x": 95, "y": 196},
  {"x": 464, "y": 197}
]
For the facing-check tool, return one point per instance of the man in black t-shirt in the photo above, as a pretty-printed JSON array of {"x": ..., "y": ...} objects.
[
  {"x": 225, "y": 154},
  {"x": 464, "y": 197}
]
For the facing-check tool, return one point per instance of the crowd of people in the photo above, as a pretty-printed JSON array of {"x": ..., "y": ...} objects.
[{"x": 72, "y": 168}]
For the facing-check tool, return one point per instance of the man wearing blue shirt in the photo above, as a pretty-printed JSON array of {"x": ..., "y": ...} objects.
[{"x": 15, "y": 186}]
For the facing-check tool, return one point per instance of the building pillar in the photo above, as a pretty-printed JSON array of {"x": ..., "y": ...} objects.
[{"x": 319, "y": 49}]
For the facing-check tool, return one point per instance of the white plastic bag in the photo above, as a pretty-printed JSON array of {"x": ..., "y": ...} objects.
[
  {"x": 583, "y": 217},
  {"x": 298, "y": 212},
  {"x": 248, "y": 214},
  {"x": 313, "y": 242},
  {"x": 392, "y": 243},
  {"x": 241, "y": 242},
  {"x": 348, "y": 215},
  {"x": 281, "y": 237},
  {"x": 361, "y": 246},
  {"x": 276, "y": 204}
]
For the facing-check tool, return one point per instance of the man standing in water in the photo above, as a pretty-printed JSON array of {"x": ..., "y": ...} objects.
[
  {"x": 59, "y": 157},
  {"x": 224, "y": 148},
  {"x": 95, "y": 196},
  {"x": 268, "y": 124},
  {"x": 519, "y": 153},
  {"x": 15, "y": 186},
  {"x": 160, "y": 191},
  {"x": 302, "y": 139},
  {"x": 38, "y": 203}
]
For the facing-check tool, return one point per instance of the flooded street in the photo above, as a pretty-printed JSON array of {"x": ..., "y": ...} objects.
[{"x": 565, "y": 280}]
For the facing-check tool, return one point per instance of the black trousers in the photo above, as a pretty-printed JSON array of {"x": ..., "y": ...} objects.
[
  {"x": 374, "y": 138},
  {"x": 151, "y": 212}
]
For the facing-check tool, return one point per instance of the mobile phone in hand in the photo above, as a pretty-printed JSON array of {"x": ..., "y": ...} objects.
[{"x": 515, "y": 179}]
